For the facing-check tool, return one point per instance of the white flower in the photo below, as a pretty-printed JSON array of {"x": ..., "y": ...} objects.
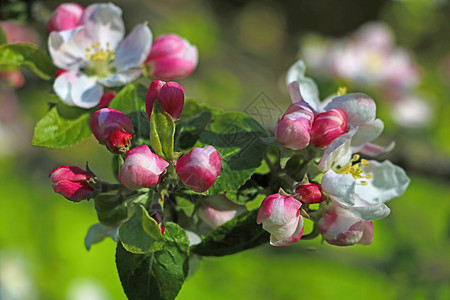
[
  {"x": 95, "y": 54},
  {"x": 364, "y": 188}
]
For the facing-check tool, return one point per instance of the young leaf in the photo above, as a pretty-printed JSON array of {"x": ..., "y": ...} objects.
[
  {"x": 110, "y": 210},
  {"x": 63, "y": 126},
  {"x": 97, "y": 233},
  {"x": 238, "y": 234},
  {"x": 157, "y": 275},
  {"x": 141, "y": 234},
  {"x": 188, "y": 133},
  {"x": 27, "y": 55},
  {"x": 162, "y": 132},
  {"x": 131, "y": 98}
]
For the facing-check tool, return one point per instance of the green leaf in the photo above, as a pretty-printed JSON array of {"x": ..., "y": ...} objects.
[
  {"x": 110, "y": 209},
  {"x": 97, "y": 233},
  {"x": 237, "y": 137},
  {"x": 141, "y": 234},
  {"x": 63, "y": 126},
  {"x": 188, "y": 133},
  {"x": 236, "y": 235},
  {"x": 3, "y": 39},
  {"x": 27, "y": 55},
  {"x": 156, "y": 275},
  {"x": 162, "y": 132}
]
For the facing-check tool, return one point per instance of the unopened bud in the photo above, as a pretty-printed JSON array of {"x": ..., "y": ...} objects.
[
  {"x": 119, "y": 141},
  {"x": 199, "y": 168},
  {"x": 327, "y": 126},
  {"x": 170, "y": 95},
  {"x": 66, "y": 16},
  {"x": 105, "y": 121},
  {"x": 72, "y": 182},
  {"x": 311, "y": 193}
]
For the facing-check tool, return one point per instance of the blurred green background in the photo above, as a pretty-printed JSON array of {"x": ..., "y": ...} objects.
[{"x": 245, "y": 49}]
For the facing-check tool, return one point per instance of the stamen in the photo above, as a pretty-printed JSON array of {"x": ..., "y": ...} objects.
[
  {"x": 364, "y": 182},
  {"x": 355, "y": 157},
  {"x": 342, "y": 90},
  {"x": 355, "y": 169},
  {"x": 364, "y": 162}
]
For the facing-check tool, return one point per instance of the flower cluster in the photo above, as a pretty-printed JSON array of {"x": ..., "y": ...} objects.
[
  {"x": 357, "y": 188},
  {"x": 89, "y": 47}
]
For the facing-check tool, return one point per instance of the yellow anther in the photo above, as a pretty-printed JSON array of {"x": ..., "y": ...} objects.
[
  {"x": 88, "y": 49},
  {"x": 342, "y": 90},
  {"x": 355, "y": 157},
  {"x": 364, "y": 182},
  {"x": 88, "y": 56},
  {"x": 364, "y": 162},
  {"x": 369, "y": 176}
]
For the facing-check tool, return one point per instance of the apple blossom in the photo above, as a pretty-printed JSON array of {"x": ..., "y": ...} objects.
[
  {"x": 327, "y": 126},
  {"x": 364, "y": 187},
  {"x": 199, "y": 168},
  {"x": 218, "y": 209},
  {"x": 72, "y": 182},
  {"x": 112, "y": 128},
  {"x": 171, "y": 57},
  {"x": 66, "y": 16},
  {"x": 293, "y": 130},
  {"x": 310, "y": 193},
  {"x": 141, "y": 168},
  {"x": 169, "y": 94},
  {"x": 95, "y": 54},
  {"x": 341, "y": 227},
  {"x": 280, "y": 216}
]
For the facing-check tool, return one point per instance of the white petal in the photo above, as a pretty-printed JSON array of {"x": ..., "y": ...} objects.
[
  {"x": 63, "y": 86},
  {"x": 389, "y": 181},
  {"x": 375, "y": 150},
  {"x": 367, "y": 211},
  {"x": 133, "y": 51},
  {"x": 86, "y": 93},
  {"x": 68, "y": 48},
  {"x": 340, "y": 186},
  {"x": 307, "y": 86},
  {"x": 121, "y": 78},
  {"x": 367, "y": 132},
  {"x": 358, "y": 108},
  {"x": 104, "y": 23},
  {"x": 338, "y": 152}
]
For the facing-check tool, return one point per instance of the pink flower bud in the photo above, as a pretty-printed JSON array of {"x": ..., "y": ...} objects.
[
  {"x": 170, "y": 95},
  {"x": 142, "y": 168},
  {"x": 118, "y": 141},
  {"x": 72, "y": 182},
  {"x": 66, "y": 16},
  {"x": 171, "y": 57},
  {"x": 19, "y": 33},
  {"x": 341, "y": 227},
  {"x": 60, "y": 72},
  {"x": 199, "y": 168},
  {"x": 311, "y": 193},
  {"x": 327, "y": 126},
  {"x": 280, "y": 216},
  {"x": 13, "y": 78},
  {"x": 218, "y": 209},
  {"x": 106, "y": 120},
  {"x": 106, "y": 100},
  {"x": 293, "y": 129}
]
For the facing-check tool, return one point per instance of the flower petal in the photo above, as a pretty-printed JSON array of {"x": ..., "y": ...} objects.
[
  {"x": 367, "y": 132},
  {"x": 307, "y": 86},
  {"x": 340, "y": 186},
  {"x": 358, "y": 108},
  {"x": 375, "y": 150},
  {"x": 389, "y": 181},
  {"x": 121, "y": 78},
  {"x": 68, "y": 48},
  {"x": 85, "y": 91},
  {"x": 104, "y": 24},
  {"x": 295, "y": 237},
  {"x": 133, "y": 51},
  {"x": 338, "y": 152}
]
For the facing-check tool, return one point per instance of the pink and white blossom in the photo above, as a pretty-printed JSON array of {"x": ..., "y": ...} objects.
[
  {"x": 199, "y": 169},
  {"x": 341, "y": 227},
  {"x": 310, "y": 193},
  {"x": 95, "y": 54},
  {"x": 169, "y": 94},
  {"x": 142, "y": 168},
  {"x": 72, "y": 182},
  {"x": 171, "y": 57},
  {"x": 327, "y": 126},
  {"x": 107, "y": 120},
  {"x": 280, "y": 216},
  {"x": 293, "y": 130},
  {"x": 65, "y": 17},
  {"x": 218, "y": 209},
  {"x": 364, "y": 188}
]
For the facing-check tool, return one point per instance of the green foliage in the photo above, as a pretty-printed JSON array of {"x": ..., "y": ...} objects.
[
  {"x": 238, "y": 234},
  {"x": 63, "y": 126},
  {"x": 27, "y": 55},
  {"x": 162, "y": 132},
  {"x": 97, "y": 233},
  {"x": 3, "y": 39},
  {"x": 189, "y": 132},
  {"x": 110, "y": 209},
  {"x": 141, "y": 234},
  {"x": 157, "y": 275}
]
